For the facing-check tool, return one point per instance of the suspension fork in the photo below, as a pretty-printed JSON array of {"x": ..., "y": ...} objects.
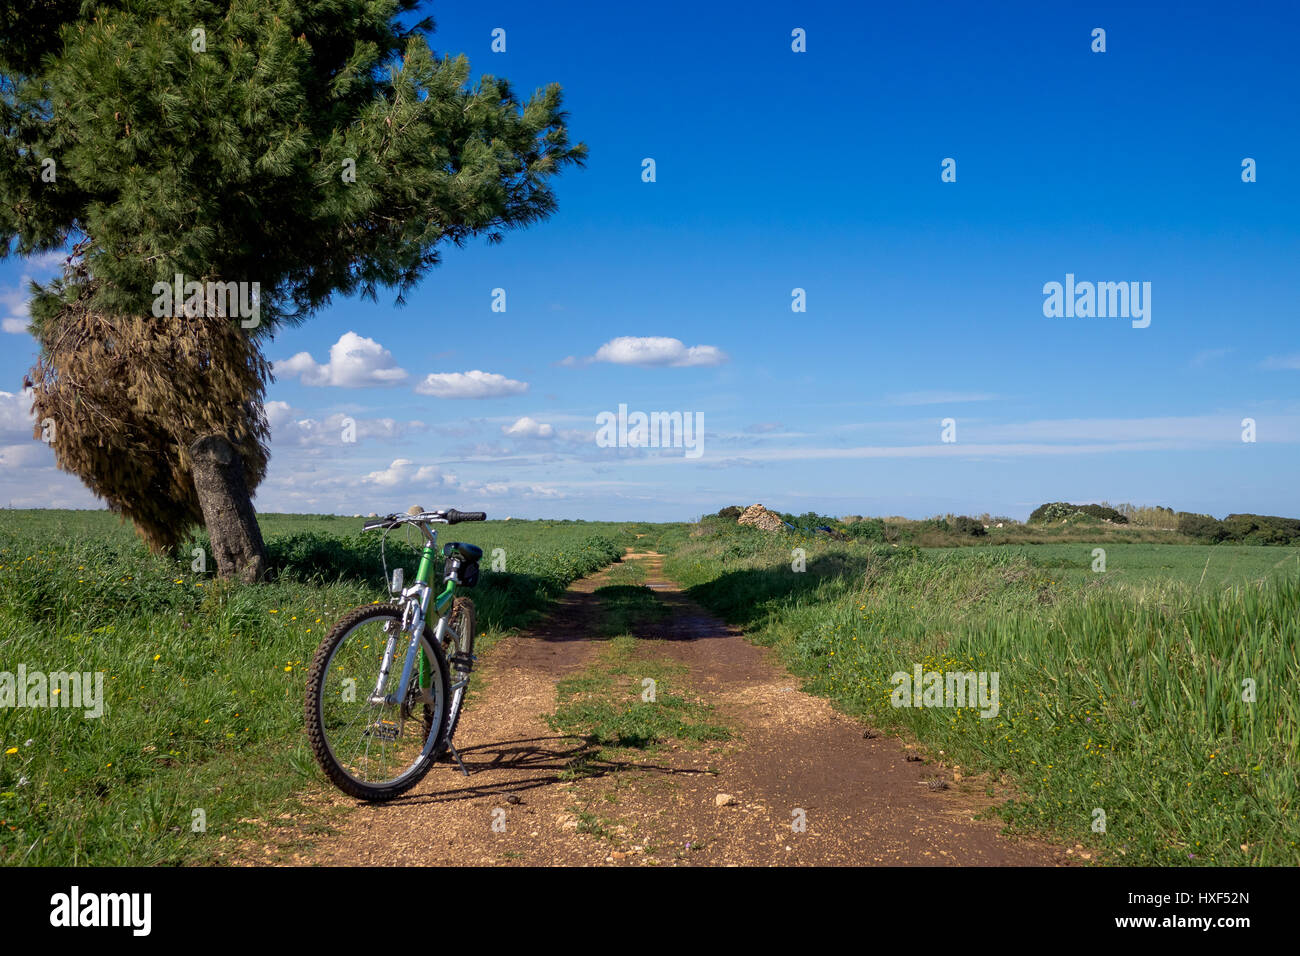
[{"x": 415, "y": 603}]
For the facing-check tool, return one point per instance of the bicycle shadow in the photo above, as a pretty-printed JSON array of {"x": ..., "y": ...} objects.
[{"x": 545, "y": 758}]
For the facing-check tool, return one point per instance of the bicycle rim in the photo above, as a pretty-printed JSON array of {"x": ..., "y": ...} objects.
[{"x": 368, "y": 746}]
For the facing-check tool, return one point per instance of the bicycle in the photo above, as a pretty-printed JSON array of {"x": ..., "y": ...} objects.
[{"x": 374, "y": 740}]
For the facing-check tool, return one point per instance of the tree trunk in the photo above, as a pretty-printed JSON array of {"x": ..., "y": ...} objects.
[{"x": 227, "y": 509}]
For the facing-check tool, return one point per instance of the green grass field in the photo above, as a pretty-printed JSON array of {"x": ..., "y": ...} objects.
[
  {"x": 203, "y": 682},
  {"x": 1120, "y": 692}
]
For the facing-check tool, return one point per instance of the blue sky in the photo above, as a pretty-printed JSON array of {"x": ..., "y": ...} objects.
[{"x": 820, "y": 170}]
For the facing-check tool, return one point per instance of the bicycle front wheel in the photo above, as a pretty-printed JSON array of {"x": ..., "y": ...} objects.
[{"x": 371, "y": 745}]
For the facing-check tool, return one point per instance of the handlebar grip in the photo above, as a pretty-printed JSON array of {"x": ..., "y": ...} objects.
[{"x": 454, "y": 516}]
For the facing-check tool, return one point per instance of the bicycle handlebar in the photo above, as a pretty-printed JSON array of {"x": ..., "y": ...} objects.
[{"x": 449, "y": 516}]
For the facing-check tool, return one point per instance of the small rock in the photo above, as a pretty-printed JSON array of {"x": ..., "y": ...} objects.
[
  {"x": 724, "y": 800},
  {"x": 513, "y": 798}
]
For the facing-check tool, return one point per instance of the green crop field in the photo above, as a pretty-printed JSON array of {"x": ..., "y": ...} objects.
[
  {"x": 1156, "y": 697},
  {"x": 203, "y": 682}
]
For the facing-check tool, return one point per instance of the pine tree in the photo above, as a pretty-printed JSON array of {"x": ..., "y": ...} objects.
[{"x": 311, "y": 147}]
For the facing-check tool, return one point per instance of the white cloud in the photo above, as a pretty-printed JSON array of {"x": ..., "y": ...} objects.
[
  {"x": 1282, "y": 362},
  {"x": 15, "y": 302},
  {"x": 473, "y": 384},
  {"x": 16, "y": 418},
  {"x": 28, "y": 477},
  {"x": 654, "y": 351},
  {"x": 46, "y": 261},
  {"x": 290, "y": 427},
  {"x": 15, "y": 309},
  {"x": 355, "y": 362},
  {"x": 528, "y": 428},
  {"x": 938, "y": 398},
  {"x": 278, "y": 413},
  {"x": 405, "y": 477},
  {"x": 403, "y": 472},
  {"x": 399, "y": 472},
  {"x": 1185, "y": 428},
  {"x": 33, "y": 454}
]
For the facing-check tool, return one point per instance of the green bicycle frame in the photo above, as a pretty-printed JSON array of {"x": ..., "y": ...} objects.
[{"x": 440, "y": 601}]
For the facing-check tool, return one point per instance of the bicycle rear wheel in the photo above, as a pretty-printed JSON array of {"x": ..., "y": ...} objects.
[
  {"x": 458, "y": 646},
  {"x": 370, "y": 747}
]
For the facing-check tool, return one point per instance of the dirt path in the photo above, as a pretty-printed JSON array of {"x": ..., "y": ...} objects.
[{"x": 792, "y": 758}]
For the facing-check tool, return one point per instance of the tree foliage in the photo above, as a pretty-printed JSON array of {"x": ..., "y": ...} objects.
[{"x": 313, "y": 147}]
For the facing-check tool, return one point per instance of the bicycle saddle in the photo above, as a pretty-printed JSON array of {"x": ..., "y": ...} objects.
[{"x": 467, "y": 551}]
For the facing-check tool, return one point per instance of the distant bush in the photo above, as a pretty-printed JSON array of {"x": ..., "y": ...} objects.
[
  {"x": 1055, "y": 511},
  {"x": 962, "y": 524},
  {"x": 1104, "y": 513},
  {"x": 1052, "y": 511},
  {"x": 1201, "y": 527},
  {"x": 731, "y": 512},
  {"x": 866, "y": 529},
  {"x": 1240, "y": 528},
  {"x": 1261, "y": 529}
]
